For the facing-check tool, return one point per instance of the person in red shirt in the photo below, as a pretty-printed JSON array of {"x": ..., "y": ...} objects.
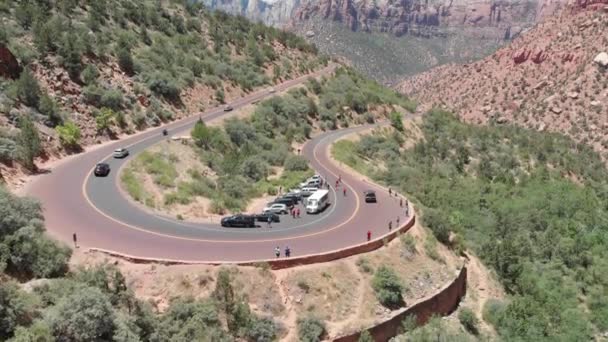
[
  {"x": 369, "y": 235},
  {"x": 344, "y": 192}
]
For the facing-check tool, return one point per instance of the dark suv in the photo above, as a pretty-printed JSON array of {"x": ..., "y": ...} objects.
[
  {"x": 370, "y": 196},
  {"x": 238, "y": 220},
  {"x": 288, "y": 201},
  {"x": 102, "y": 170},
  {"x": 295, "y": 198}
]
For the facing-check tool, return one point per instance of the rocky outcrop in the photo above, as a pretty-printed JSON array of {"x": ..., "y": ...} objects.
[
  {"x": 502, "y": 20},
  {"x": 9, "y": 65}
]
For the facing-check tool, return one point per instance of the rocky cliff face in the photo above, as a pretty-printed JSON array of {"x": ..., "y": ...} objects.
[
  {"x": 271, "y": 12},
  {"x": 399, "y": 17},
  {"x": 553, "y": 77}
]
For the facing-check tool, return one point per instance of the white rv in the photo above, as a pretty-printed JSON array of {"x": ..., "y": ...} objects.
[{"x": 317, "y": 202}]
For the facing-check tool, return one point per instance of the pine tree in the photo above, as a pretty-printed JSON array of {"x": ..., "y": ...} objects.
[{"x": 28, "y": 142}]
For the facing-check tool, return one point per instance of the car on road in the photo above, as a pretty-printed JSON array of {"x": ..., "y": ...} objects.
[
  {"x": 370, "y": 196},
  {"x": 238, "y": 220},
  {"x": 228, "y": 108},
  {"x": 311, "y": 183},
  {"x": 120, "y": 153},
  {"x": 263, "y": 217},
  {"x": 101, "y": 169},
  {"x": 277, "y": 208}
]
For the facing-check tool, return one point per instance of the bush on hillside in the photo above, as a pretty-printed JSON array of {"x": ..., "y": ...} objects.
[
  {"x": 69, "y": 135},
  {"x": 311, "y": 329},
  {"x": 28, "y": 89},
  {"x": 296, "y": 163},
  {"x": 388, "y": 287},
  {"x": 468, "y": 320}
]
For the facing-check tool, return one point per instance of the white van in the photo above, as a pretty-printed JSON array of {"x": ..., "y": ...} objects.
[
  {"x": 317, "y": 202},
  {"x": 307, "y": 191}
]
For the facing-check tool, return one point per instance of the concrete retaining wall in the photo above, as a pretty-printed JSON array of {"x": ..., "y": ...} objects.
[
  {"x": 277, "y": 264},
  {"x": 442, "y": 303}
]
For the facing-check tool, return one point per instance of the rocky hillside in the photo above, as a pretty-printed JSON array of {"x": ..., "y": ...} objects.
[
  {"x": 390, "y": 38},
  {"x": 88, "y": 71},
  {"x": 554, "y": 77}
]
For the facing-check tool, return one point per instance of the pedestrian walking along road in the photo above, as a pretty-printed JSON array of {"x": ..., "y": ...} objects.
[
  {"x": 75, "y": 240},
  {"x": 369, "y": 235},
  {"x": 277, "y": 252},
  {"x": 287, "y": 252}
]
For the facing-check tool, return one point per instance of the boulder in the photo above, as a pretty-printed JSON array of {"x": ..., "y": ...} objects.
[
  {"x": 601, "y": 59},
  {"x": 9, "y": 66},
  {"x": 556, "y": 110},
  {"x": 572, "y": 95}
]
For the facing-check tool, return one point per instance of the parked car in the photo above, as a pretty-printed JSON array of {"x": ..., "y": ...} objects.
[
  {"x": 296, "y": 198},
  {"x": 307, "y": 191},
  {"x": 263, "y": 217},
  {"x": 277, "y": 208},
  {"x": 120, "y": 153},
  {"x": 102, "y": 169},
  {"x": 238, "y": 220},
  {"x": 288, "y": 201},
  {"x": 228, "y": 108},
  {"x": 311, "y": 183},
  {"x": 370, "y": 196}
]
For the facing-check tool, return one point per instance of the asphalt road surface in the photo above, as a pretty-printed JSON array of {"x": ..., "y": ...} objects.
[{"x": 97, "y": 211}]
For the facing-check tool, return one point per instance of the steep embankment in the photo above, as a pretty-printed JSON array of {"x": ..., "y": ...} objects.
[
  {"x": 551, "y": 78},
  {"x": 89, "y": 73}
]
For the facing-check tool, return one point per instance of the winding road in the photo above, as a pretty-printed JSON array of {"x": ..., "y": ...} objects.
[{"x": 96, "y": 210}]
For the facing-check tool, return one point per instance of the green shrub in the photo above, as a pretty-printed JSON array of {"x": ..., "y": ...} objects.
[
  {"x": 408, "y": 241},
  {"x": 90, "y": 74},
  {"x": 296, "y": 163},
  {"x": 364, "y": 265},
  {"x": 28, "y": 142},
  {"x": 112, "y": 98},
  {"x": 49, "y": 107},
  {"x": 493, "y": 309},
  {"x": 397, "y": 121},
  {"x": 365, "y": 337},
  {"x": 310, "y": 329},
  {"x": 388, "y": 287},
  {"x": 8, "y": 150},
  {"x": 28, "y": 89},
  {"x": 468, "y": 320},
  {"x": 69, "y": 134}
]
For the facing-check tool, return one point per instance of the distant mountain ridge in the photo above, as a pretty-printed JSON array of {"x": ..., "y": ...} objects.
[{"x": 407, "y": 36}]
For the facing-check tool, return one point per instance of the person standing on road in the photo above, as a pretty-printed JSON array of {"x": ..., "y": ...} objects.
[
  {"x": 401, "y": 202},
  {"x": 344, "y": 191},
  {"x": 287, "y": 252},
  {"x": 298, "y": 212},
  {"x": 75, "y": 238},
  {"x": 277, "y": 252},
  {"x": 327, "y": 185},
  {"x": 293, "y": 212},
  {"x": 398, "y": 221},
  {"x": 390, "y": 191},
  {"x": 369, "y": 235},
  {"x": 270, "y": 221},
  {"x": 390, "y": 225}
]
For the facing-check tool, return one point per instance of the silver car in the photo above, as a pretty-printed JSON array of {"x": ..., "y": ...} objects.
[
  {"x": 277, "y": 208},
  {"x": 120, "y": 153}
]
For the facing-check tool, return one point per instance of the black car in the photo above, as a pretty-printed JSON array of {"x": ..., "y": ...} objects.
[
  {"x": 293, "y": 197},
  {"x": 263, "y": 217},
  {"x": 239, "y": 220},
  {"x": 370, "y": 196},
  {"x": 102, "y": 170},
  {"x": 288, "y": 201}
]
